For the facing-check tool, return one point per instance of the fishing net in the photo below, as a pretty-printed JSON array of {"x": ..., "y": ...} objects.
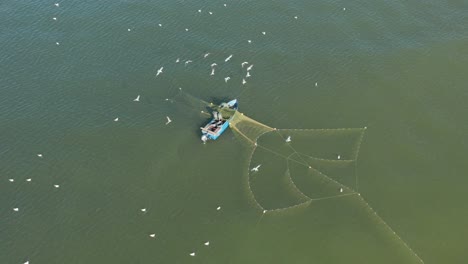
[{"x": 291, "y": 168}]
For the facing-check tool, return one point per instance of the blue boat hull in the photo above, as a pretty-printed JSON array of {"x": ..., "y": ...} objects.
[{"x": 219, "y": 132}]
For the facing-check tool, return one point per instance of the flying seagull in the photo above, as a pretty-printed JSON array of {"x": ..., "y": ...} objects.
[
  {"x": 244, "y": 63},
  {"x": 247, "y": 75},
  {"x": 206, "y": 55},
  {"x": 137, "y": 99},
  {"x": 264, "y": 33},
  {"x": 57, "y": 4},
  {"x": 227, "y": 79},
  {"x": 212, "y": 71},
  {"x": 116, "y": 119},
  {"x": 177, "y": 61},
  {"x": 250, "y": 67},
  {"x": 256, "y": 168},
  {"x": 187, "y": 62},
  {"x": 214, "y": 64},
  {"x": 243, "y": 81},
  {"x": 228, "y": 58},
  {"x": 159, "y": 71},
  {"x": 168, "y": 120}
]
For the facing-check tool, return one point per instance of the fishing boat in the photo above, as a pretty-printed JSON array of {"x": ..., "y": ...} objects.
[{"x": 222, "y": 114}]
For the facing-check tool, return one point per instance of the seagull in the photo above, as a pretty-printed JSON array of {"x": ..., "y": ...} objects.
[
  {"x": 207, "y": 243},
  {"x": 288, "y": 139},
  {"x": 57, "y": 4},
  {"x": 56, "y": 185},
  {"x": 56, "y": 43},
  {"x": 218, "y": 208},
  {"x": 143, "y": 210},
  {"x": 264, "y": 211},
  {"x": 210, "y": 13},
  {"x": 247, "y": 75},
  {"x": 152, "y": 235},
  {"x": 339, "y": 156},
  {"x": 249, "y": 41},
  {"x": 137, "y": 99},
  {"x": 212, "y": 71},
  {"x": 341, "y": 190},
  {"x": 177, "y": 61},
  {"x": 159, "y": 71},
  {"x": 295, "y": 17},
  {"x": 11, "y": 180},
  {"x": 250, "y": 67},
  {"x": 243, "y": 81},
  {"x": 192, "y": 254},
  {"x": 199, "y": 10},
  {"x": 27, "y": 262},
  {"x": 225, "y": 5},
  {"x": 160, "y": 25},
  {"x": 116, "y": 119},
  {"x": 168, "y": 120},
  {"x": 54, "y": 18},
  {"x": 264, "y": 33},
  {"x": 227, "y": 79},
  {"x": 228, "y": 58},
  {"x": 206, "y": 55},
  {"x": 129, "y": 30},
  {"x": 16, "y": 209},
  {"x": 39, "y": 155},
  {"x": 187, "y": 62},
  {"x": 214, "y": 64},
  {"x": 316, "y": 84},
  {"x": 186, "y": 29},
  {"x": 256, "y": 168},
  {"x": 344, "y": 8},
  {"x": 28, "y": 180},
  {"x": 243, "y": 64}
]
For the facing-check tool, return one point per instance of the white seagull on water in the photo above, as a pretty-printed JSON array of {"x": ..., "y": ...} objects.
[
  {"x": 288, "y": 139},
  {"x": 218, "y": 208},
  {"x": 256, "y": 168},
  {"x": 227, "y": 79},
  {"x": 152, "y": 235},
  {"x": 192, "y": 254},
  {"x": 243, "y": 81},
  {"x": 187, "y": 62},
  {"x": 39, "y": 155},
  {"x": 228, "y": 58},
  {"x": 212, "y": 71},
  {"x": 206, "y": 55},
  {"x": 57, "y": 4},
  {"x": 143, "y": 210},
  {"x": 207, "y": 243},
  {"x": 159, "y": 71},
  {"x": 177, "y": 61},
  {"x": 137, "y": 99},
  {"x": 168, "y": 120},
  {"x": 116, "y": 119},
  {"x": 247, "y": 75}
]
